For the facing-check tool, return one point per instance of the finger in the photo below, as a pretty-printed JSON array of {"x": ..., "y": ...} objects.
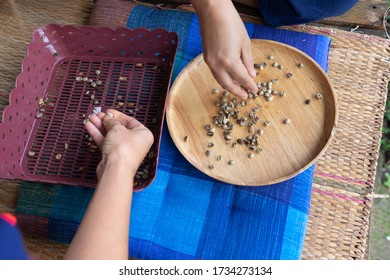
[
  {"x": 101, "y": 115},
  {"x": 247, "y": 60},
  {"x": 109, "y": 121},
  {"x": 226, "y": 81},
  {"x": 238, "y": 91},
  {"x": 240, "y": 74},
  {"x": 127, "y": 121},
  {"x": 95, "y": 133},
  {"x": 98, "y": 123}
]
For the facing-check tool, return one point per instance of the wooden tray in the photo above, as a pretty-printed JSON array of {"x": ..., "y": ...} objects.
[{"x": 287, "y": 149}]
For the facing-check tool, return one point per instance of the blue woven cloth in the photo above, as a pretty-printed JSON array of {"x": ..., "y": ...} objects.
[{"x": 185, "y": 214}]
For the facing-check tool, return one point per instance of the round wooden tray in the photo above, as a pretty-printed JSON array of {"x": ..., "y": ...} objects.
[{"x": 287, "y": 149}]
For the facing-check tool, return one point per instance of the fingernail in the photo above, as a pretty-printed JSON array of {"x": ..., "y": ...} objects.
[
  {"x": 109, "y": 114},
  {"x": 253, "y": 73}
]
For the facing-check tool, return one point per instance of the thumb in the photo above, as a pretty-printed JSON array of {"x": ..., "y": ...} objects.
[{"x": 109, "y": 121}]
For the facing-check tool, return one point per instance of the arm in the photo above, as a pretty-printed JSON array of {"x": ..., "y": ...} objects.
[
  {"x": 226, "y": 45},
  {"x": 103, "y": 232}
]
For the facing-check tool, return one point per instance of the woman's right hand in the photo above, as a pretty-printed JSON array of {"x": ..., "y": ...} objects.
[{"x": 226, "y": 46}]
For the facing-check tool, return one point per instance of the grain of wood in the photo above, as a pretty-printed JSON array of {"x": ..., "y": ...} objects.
[{"x": 287, "y": 149}]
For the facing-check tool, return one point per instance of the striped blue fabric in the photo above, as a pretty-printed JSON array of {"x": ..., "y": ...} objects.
[
  {"x": 194, "y": 216},
  {"x": 185, "y": 214}
]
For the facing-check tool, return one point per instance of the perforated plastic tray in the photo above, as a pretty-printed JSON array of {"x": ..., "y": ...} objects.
[{"x": 42, "y": 133}]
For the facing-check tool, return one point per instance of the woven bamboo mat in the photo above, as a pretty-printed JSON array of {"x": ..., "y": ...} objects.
[
  {"x": 341, "y": 203},
  {"x": 18, "y": 20},
  {"x": 339, "y": 221}
]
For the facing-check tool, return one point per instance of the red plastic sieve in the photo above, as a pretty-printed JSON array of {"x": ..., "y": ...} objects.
[{"x": 70, "y": 72}]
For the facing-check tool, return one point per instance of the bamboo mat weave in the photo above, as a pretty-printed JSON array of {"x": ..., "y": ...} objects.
[
  {"x": 18, "y": 20},
  {"x": 341, "y": 203}
]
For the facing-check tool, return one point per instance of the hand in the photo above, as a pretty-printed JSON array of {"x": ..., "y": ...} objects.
[
  {"x": 121, "y": 139},
  {"x": 226, "y": 46}
]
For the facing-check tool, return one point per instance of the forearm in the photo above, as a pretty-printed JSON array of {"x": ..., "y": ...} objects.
[
  {"x": 213, "y": 15},
  {"x": 104, "y": 230},
  {"x": 204, "y": 7}
]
